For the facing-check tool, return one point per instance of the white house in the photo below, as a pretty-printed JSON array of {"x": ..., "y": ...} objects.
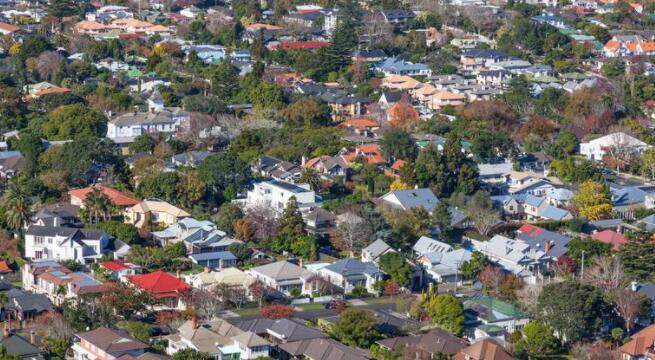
[
  {"x": 374, "y": 250},
  {"x": 57, "y": 282},
  {"x": 351, "y": 273},
  {"x": 622, "y": 142},
  {"x": 516, "y": 256},
  {"x": 65, "y": 243},
  {"x": 284, "y": 277},
  {"x": 275, "y": 194}
]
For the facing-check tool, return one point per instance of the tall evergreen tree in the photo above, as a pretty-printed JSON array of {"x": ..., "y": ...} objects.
[
  {"x": 337, "y": 54},
  {"x": 292, "y": 227},
  {"x": 225, "y": 80}
]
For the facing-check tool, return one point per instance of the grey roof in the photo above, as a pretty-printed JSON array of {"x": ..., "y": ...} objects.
[
  {"x": 282, "y": 270},
  {"x": 377, "y": 248},
  {"x": 21, "y": 347},
  {"x": 434, "y": 342},
  {"x": 649, "y": 222},
  {"x": 74, "y": 233},
  {"x": 554, "y": 213},
  {"x": 288, "y": 186},
  {"x": 324, "y": 349},
  {"x": 414, "y": 198},
  {"x": 537, "y": 238},
  {"x": 428, "y": 245},
  {"x": 28, "y": 302},
  {"x": 349, "y": 267},
  {"x": 535, "y": 201},
  {"x": 166, "y": 116},
  {"x": 291, "y": 330},
  {"x": 648, "y": 290},
  {"x": 218, "y": 255}
]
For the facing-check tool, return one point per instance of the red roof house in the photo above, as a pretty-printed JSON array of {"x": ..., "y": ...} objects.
[
  {"x": 117, "y": 198},
  {"x": 307, "y": 45},
  {"x": 610, "y": 237},
  {"x": 159, "y": 284}
]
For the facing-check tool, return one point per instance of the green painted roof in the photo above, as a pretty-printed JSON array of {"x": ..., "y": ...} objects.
[
  {"x": 491, "y": 329},
  {"x": 491, "y": 309}
]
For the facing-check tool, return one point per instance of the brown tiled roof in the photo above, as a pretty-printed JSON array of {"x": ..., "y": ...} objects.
[
  {"x": 640, "y": 342},
  {"x": 434, "y": 342},
  {"x": 486, "y": 349},
  {"x": 111, "y": 341}
]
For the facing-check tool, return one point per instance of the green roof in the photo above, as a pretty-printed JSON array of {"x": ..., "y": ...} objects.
[
  {"x": 491, "y": 329},
  {"x": 133, "y": 72}
]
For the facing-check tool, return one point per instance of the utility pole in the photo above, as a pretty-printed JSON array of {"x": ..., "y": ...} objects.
[{"x": 582, "y": 271}]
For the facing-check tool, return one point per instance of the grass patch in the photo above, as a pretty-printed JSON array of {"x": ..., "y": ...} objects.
[
  {"x": 385, "y": 300},
  {"x": 248, "y": 312},
  {"x": 311, "y": 306}
]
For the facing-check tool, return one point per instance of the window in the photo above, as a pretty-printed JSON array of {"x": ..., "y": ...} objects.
[
  {"x": 38, "y": 254},
  {"x": 38, "y": 240}
]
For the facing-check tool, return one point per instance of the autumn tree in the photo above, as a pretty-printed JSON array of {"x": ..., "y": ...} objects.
[
  {"x": 278, "y": 311},
  {"x": 594, "y": 201},
  {"x": 402, "y": 115},
  {"x": 628, "y": 304}
]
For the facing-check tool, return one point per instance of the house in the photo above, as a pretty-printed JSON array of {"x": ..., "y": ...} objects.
[
  {"x": 65, "y": 243},
  {"x": 124, "y": 128},
  {"x": 370, "y": 56},
  {"x": 494, "y": 173},
  {"x": 349, "y": 274},
  {"x": 478, "y": 58},
  {"x": 596, "y": 149},
  {"x": 610, "y": 237},
  {"x": 516, "y": 256},
  {"x": 153, "y": 212},
  {"x": 58, "y": 214},
  {"x": 640, "y": 346},
  {"x": 10, "y": 163},
  {"x": 485, "y": 349},
  {"x": 231, "y": 277},
  {"x": 328, "y": 165},
  {"x": 280, "y": 331},
  {"x": 219, "y": 339},
  {"x": 396, "y": 66},
  {"x": 24, "y": 305},
  {"x": 284, "y": 277},
  {"x": 374, "y": 250},
  {"x": 106, "y": 343},
  {"x": 118, "y": 270},
  {"x": 57, "y": 282},
  {"x": 277, "y": 169},
  {"x": 117, "y": 198},
  {"x": 208, "y": 54},
  {"x": 491, "y": 311},
  {"x": 444, "y": 267},
  {"x": 214, "y": 260},
  {"x": 275, "y": 194},
  {"x": 189, "y": 158},
  {"x": 8, "y": 29},
  {"x": 528, "y": 183},
  {"x": 164, "y": 287},
  {"x": 397, "y": 16},
  {"x": 413, "y": 198},
  {"x": 552, "y": 243},
  {"x": 344, "y": 106},
  {"x": 371, "y": 153},
  {"x": 434, "y": 343},
  {"x": 198, "y": 236},
  {"x": 20, "y": 347},
  {"x": 554, "y": 21},
  {"x": 648, "y": 223},
  {"x": 361, "y": 126},
  {"x": 426, "y": 245},
  {"x": 626, "y": 199},
  {"x": 322, "y": 348},
  {"x": 318, "y": 220}
]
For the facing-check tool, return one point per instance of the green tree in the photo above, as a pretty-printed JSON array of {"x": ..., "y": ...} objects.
[
  {"x": 397, "y": 144},
  {"x": 590, "y": 247},
  {"x": 225, "y": 80},
  {"x": 471, "y": 268},
  {"x": 397, "y": 267},
  {"x": 356, "y": 327},
  {"x": 75, "y": 121},
  {"x": 635, "y": 256},
  {"x": 17, "y": 207},
  {"x": 142, "y": 144},
  {"x": 228, "y": 213},
  {"x": 137, "y": 329},
  {"x": 305, "y": 247},
  {"x": 441, "y": 217},
  {"x": 224, "y": 171},
  {"x": 336, "y": 55},
  {"x": 305, "y": 112},
  {"x": 446, "y": 311},
  {"x": 537, "y": 339},
  {"x": 119, "y": 230},
  {"x": 575, "y": 311},
  {"x": 292, "y": 227}
]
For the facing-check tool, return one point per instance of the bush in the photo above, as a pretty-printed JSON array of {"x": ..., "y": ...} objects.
[
  {"x": 278, "y": 311},
  {"x": 359, "y": 291},
  {"x": 125, "y": 232}
]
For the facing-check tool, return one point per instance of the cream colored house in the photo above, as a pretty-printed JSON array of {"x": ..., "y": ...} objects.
[
  {"x": 230, "y": 276},
  {"x": 153, "y": 211}
]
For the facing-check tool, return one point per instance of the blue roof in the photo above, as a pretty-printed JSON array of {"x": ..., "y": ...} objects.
[
  {"x": 414, "y": 198},
  {"x": 395, "y": 65},
  {"x": 649, "y": 222},
  {"x": 628, "y": 196},
  {"x": 533, "y": 200},
  {"x": 218, "y": 255},
  {"x": 554, "y": 213},
  {"x": 547, "y": 18},
  {"x": 351, "y": 266}
]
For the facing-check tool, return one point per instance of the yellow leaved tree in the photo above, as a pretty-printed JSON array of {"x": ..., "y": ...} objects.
[{"x": 594, "y": 201}]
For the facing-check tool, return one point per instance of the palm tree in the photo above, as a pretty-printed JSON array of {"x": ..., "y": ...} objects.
[
  {"x": 309, "y": 176},
  {"x": 97, "y": 203},
  {"x": 17, "y": 209}
]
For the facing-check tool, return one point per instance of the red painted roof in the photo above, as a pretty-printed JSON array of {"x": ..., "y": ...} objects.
[
  {"x": 117, "y": 198},
  {"x": 4, "y": 268},
  {"x": 159, "y": 283},
  {"x": 531, "y": 230},
  {"x": 114, "y": 265},
  {"x": 610, "y": 237},
  {"x": 302, "y": 45}
]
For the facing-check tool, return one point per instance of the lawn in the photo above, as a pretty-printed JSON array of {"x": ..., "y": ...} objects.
[
  {"x": 383, "y": 300},
  {"x": 311, "y": 306},
  {"x": 248, "y": 312}
]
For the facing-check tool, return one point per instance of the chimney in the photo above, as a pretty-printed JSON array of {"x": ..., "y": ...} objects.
[
  {"x": 177, "y": 274},
  {"x": 194, "y": 322},
  {"x": 547, "y": 246},
  {"x": 33, "y": 337},
  {"x": 5, "y": 332},
  {"x": 300, "y": 262}
]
